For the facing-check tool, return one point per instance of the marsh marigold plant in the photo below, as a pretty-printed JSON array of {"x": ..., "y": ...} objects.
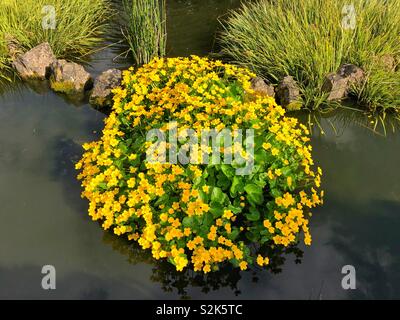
[{"x": 200, "y": 215}]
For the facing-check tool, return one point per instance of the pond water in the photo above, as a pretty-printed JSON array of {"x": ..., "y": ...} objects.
[{"x": 44, "y": 220}]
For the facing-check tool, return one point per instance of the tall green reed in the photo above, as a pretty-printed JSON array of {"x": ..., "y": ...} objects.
[{"x": 146, "y": 31}]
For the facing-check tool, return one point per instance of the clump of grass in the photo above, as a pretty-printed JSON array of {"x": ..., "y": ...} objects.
[
  {"x": 380, "y": 91},
  {"x": 79, "y": 25},
  {"x": 146, "y": 31},
  {"x": 308, "y": 39}
]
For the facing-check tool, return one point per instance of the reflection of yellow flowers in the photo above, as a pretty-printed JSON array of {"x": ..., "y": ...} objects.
[{"x": 182, "y": 213}]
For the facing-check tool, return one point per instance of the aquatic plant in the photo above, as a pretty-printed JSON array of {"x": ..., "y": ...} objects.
[
  {"x": 309, "y": 39},
  {"x": 146, "y": 31},
  {"x": 71, "y": 27},
  {"x": 380, "y": 91},
  {"x": 203, "y": 212}
]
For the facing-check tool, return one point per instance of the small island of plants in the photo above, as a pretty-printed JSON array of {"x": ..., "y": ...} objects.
[{"x": 200, "y": 214}]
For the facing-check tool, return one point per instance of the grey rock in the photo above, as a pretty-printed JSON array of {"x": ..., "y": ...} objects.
[
  {"x": 336, "y": 86},
  {"x": 259, "y": 85},
  {"x": 288, "y": 94},
  {"x": 69, "y": 77},
  {"x": 352, "y": 72},
  {"x": 35, "y": 63},
  {"x": 339, "y": 84},
  {"x": 101, "y": 95}
]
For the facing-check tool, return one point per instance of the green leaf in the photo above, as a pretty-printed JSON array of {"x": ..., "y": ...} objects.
[
  {"x": 217, "y": 195},
  {"x": 124, "y": 121},
  {"x": 264, "y": 239},
  {"x": 228, "y": 170},
  {"x": 276, "y": 193},
  {"x": 254, "y": 214},
  {"x": 237, "y": 186},
  {"x": 197, "y": 181},
  {"x": 271, "y": 206},
  {"x": 235, "y": 209},
  {"x": 123, "y": 148},
  {"x": 103, "y": 185},
  {"x": 217, "y": 211},
  {"x": 204, "y": 196},
  {"x": 252, "y": 236},
  {"x": 254, "y": 193},
  {"x": 188, "y": 222},
  {"x": 208, "y": 219},
  {"x": 234, "y": 234},
  {"x": 258, "y": 141},
  {"x": 223, "y": 181},
  {"x": 286, "y": 171},
  {"x": 119, "y": 163},
  {"x": 211, "y": 177},
  {"x": 162, "y": 200}
]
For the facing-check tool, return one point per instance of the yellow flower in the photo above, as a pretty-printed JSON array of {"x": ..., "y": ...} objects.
[
  {"x": 275, "y": 151},
  {"x": 267, "y": 224},
  {"x": 266, "y": 145},
  {"x": 131, "y": 182},
  {"x": 207, "y": 268},
  {"x": 228, "y": 214},
  {"x": 78, "y": 166},
  {"x": 270, "y": 175},
  {"x": 243, "y": 265},
  {"x": 132, "y": 157}
]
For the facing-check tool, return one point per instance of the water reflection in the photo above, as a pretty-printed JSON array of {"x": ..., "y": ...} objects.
[
  {"x": 192, "y": 25},
  {"x": 370, "y": 242},
  {"x": 178, "y": 283}
]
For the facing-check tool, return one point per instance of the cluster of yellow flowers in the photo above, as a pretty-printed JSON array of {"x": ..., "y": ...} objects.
[{"x": 200, "y": 214}]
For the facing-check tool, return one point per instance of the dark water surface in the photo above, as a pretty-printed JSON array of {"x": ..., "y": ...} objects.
[{"x": 44, "y": 220}]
